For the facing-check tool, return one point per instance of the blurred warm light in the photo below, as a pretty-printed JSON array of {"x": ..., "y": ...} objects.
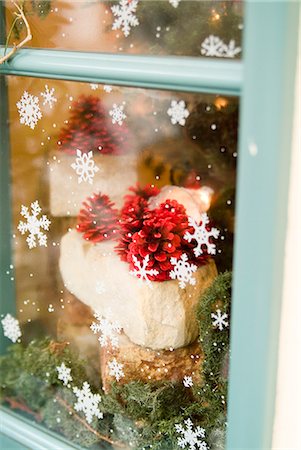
[
  {"x": 215, "y": 15},
  {"x": 205, "y": 194},
  {"x": 221, "y": 102}
]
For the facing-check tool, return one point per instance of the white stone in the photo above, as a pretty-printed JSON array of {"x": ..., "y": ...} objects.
[
  {"x": 116, "y": 173},
  {"x": 196, "y": 201},
  {"x": 159, "y": 317}
]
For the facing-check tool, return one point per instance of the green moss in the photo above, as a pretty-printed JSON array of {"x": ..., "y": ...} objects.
[
  {"x": 143, "y": 414},
  {"x": 215, "y": 344},
  {"x": 29, "y": 373}
]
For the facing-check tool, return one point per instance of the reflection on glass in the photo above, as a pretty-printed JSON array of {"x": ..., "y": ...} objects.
[
  {"x": 123, "y": 225},
  {"x": 159, "y": 27}
]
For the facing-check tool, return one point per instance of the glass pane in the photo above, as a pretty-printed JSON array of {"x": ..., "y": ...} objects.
[
  {"x": 122, "y": 242},
  {"x": 160, "y": 27}
]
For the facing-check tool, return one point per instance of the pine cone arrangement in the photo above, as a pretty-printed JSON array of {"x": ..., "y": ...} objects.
[
  {"x": 132, "y": 214},
  {"x": 98, "y": 219},
  {"x": 157, "y": 233},
  {"x": 90, "y": 129},
  {"x": 140, "y": 231}
]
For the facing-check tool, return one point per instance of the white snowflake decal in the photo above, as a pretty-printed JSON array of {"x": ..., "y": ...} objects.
[
  {"x": 187, "y": 381},
  {"x": 141, "y": 271},
  {"x": 107, "y": 88},
  {"x": 29, "y": 110},
  {"x": 174, "y": 3},
  {"x": 115, "y": 369},
  {"x": 182, "y": 271},
  {"x": 219, "y": 319},
  {"x": 93, "y": 86},
  {"x": 178, "y": 112},
  {"x": 125, "y": 16},
  {"x": 34, "y": 225},
  {"x": 117, "y": 114},
  {"x": 100, "y": 287},
  {"x": 64, "y": 374},
  {"x": 87, "y": 402},
  {"x": 48, "y": 96},
  {"x": 215, "y": 46},
  {"x": 231, "y": 50},
  {"x": 191, "y": 439},
  {"x": 85, "y": 166},
  {"x": 108, "y": 331},
  {"x": 11, "y": 328},
  {"x": 202, "y": 235}
]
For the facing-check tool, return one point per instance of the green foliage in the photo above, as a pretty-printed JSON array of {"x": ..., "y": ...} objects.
[
  {"x": 142, "y": 415},
  {"x": 215, "y": 344},
  {"x": 184, "y": 28},
  {"x": 61, "y": 419},
  {"x": 126, "y": 430},
  {"x": 147, "y": 401},
  {"x": 58, "y": 418},
  {"x": 40, "y": 8},
  {"x": 29, "y": 373}
]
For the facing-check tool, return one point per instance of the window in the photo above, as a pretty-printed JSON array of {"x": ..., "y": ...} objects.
[{"x": 119, "y": 174}]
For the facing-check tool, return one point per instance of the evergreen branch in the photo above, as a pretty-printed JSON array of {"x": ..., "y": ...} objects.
[
  {"x": 19, "y": 404},
  {"x": 86, "y": 425}
]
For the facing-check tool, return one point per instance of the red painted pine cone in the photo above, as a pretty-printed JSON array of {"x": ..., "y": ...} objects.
[
  {"x": 98, "y": 219},
  {"x": 90, "y": 128}
]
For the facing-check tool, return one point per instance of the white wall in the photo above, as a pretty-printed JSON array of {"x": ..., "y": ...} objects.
[{"x": 287, "y": 425}]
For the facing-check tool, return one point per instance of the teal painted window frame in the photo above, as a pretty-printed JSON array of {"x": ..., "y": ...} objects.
[{"x": 265, "y": 82}]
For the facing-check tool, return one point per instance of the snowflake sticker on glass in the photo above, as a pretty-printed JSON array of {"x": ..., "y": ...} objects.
[
  {"x": 183, "y": 271},
  {"x": 174, "y": 3},
  {"x": 100, "y": 287},
  {"x": 219, "y": 320},
  {"x": 116, "y": 369},
  {"x": 29, "y": 110},
  {"x": 192, "y": 438},
  {"x": 117, "y": 114},
  {"x": 34, "y": 225},
  {"x": 141, "y": 271},
  {"x": 64, "y": 374},
  {"x": 107, "y": 88},
  {"x": 178, "y": 112},
  {"x": 85, "y": 166},
  {"x": 125, "y": 16},
  {"x": 11, "y": 328},
  {"x": 187, "y": 381},
  {"x": 215, "y": 47},
  {"x": 108, "y": 331},
  {"x": 49, "y": 98},
  {"x": 87, "y": 402},
  {"x": 202, "y": 234}
]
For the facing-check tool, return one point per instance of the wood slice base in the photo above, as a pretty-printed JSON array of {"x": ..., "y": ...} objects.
[{"x": 143, "y": 364}]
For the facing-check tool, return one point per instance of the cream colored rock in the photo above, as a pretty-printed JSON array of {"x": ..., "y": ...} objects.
[
  {"x": 115, "y": 175},
  {"x": 159, "y": 317}
]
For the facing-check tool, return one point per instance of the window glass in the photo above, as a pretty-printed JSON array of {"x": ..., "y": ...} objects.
[
  {"x": 122, "y": 241},
  {"x": 160, "y": 27}
]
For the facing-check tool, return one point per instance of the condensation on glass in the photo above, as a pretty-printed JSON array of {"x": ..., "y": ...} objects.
[
  {"x": 123, "y": 217},
  {"x": 162, "y": 27}
]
